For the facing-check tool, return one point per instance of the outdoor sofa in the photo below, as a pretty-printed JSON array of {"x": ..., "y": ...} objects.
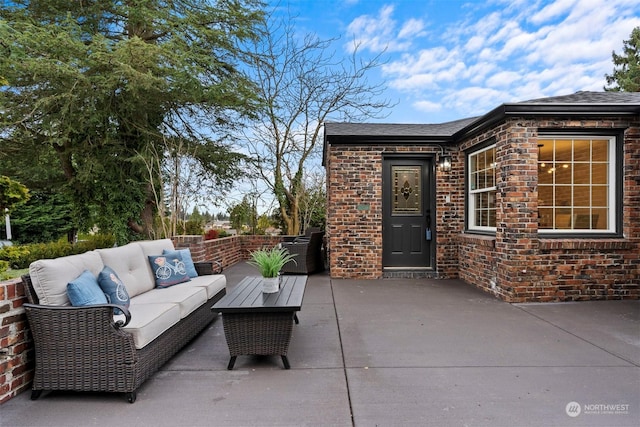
[{"x": 109, "y": 347}]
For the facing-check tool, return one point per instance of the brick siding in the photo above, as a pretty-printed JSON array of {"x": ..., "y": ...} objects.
[
  {"x": 515, "y": 264},
  {"x": 16, "y": 353}
]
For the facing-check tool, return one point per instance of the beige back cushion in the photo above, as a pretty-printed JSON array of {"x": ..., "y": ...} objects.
[
  {"x": 132, "y": 267},
  {"x": 50, "y": 276},
  {"x": 155, "y": 247}
]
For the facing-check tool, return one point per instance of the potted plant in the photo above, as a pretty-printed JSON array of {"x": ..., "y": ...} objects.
[{"x": 269, "y": 262}]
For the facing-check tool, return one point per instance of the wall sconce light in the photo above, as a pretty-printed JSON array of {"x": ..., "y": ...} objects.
[{"x": 444, "y": 161}]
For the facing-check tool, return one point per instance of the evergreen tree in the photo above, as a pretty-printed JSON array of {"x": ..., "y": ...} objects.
[
  {"x": 99, "y": 85},
  {"x": 626, "y": 71}
]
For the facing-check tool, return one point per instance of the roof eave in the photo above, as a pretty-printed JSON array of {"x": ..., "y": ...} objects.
[
  {"x": 532, "y": 110},
  {"x": 387, "y": 139}
]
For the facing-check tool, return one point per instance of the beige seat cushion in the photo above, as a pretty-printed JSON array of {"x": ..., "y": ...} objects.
[
  {"x": 149, "y": 321},
  {"x": 132, "y": 267},
  {"x": 212, "y": 283},
  {"x": 50, "y": 276},
  {"x": 187, "y": 298}
]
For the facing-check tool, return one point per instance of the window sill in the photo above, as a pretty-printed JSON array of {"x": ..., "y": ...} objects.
[
  {"x": 478, "y": 239},
  {"x": 606, "y": 244}
]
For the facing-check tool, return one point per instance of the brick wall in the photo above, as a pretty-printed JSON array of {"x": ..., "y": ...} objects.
[
  {"x": 515, "y": 264},
  {"x": 354, "y": 210},
  {"x": 16, "y": 355},
  {"x": 524, "y": 267},
  {"x": 16, "y": 346}
]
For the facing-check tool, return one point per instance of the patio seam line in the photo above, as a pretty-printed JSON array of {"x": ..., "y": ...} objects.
[
  {"x": 577, "y": 336},
  {"x": 344, "y": 365},
  {"x": 495, "y": 367}
]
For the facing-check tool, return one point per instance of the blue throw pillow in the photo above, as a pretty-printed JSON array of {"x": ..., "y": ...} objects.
[
  {"x": 186, "y": 258},
  {"x": 113, "y": 288},
  {"x": 84, "y": 290},
  {"x": 168, "y": 270}
]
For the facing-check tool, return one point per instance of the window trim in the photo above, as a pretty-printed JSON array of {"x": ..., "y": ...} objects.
[
  {"x": 469, "y": 207},
  {"x": 616, "y": 176}
]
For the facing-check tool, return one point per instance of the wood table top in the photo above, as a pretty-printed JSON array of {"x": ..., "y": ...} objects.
[{"x": 247, "y": 296}]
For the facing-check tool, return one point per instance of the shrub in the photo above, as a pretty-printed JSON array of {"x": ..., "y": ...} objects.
[
  {"x": 20, "y": 256},
  {"x": 193, "y": 227},
  {"x": 15, "y": 255},
  {"x": 4, "y": 266},
  {"x": 211, "y": 234}
]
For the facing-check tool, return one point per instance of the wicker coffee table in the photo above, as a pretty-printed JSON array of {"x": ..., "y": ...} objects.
[{"x": 256, "y": 323}]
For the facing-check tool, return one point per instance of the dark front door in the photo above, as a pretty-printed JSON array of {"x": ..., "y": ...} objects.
[{"x": 407, "y": 233}]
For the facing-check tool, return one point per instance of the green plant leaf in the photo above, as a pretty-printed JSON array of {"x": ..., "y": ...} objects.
[{"x": 270, "y": 261}]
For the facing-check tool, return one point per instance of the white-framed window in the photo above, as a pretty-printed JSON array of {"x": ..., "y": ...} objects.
[
  {"x": 482, "y": 189},
  {"x": 576, "y": 184}
]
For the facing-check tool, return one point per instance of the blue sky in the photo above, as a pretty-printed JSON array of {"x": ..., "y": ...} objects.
[{"x": 451, "y": 59}]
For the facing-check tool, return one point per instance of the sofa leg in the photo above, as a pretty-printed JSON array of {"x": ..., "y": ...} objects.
[
  {"x": 285, "y": 362},
  {"x": 232, "y": 362},
  {"x": 131, "y": 397},
  {"x": 35, "y": 394}
]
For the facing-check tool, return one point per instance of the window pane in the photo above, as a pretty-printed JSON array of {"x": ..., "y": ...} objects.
[
  {"x": 574, "y": 183},
  {"x": 599, "y": 219},
  {"x": 545, "y": 196},
  {"x": 407, "y": 190},
  {"x": 582, "y": 196},
  {"x": 582, "y": 219},
  {"x": 489, "y": 178},
  {"x": 545, "y": 218},
  {"x": 563, "y": 150},
  {"x": 544, "y": 175},
  {"x": 582, "y": 173},
  {"x": 582, "y": 150},
  {"x": 599, "y": 195},
  {"x": 563, "y": 195},
  {"x": 563, "y": 220},
  {"x": 492, "y": 217},
  {"x": 600, "y": 150},
  {"x": 563, "y": 173},
  {"x": 482, "y": 185},
  {"x": 545, "y": 150},
  {"x": 600, "y": 173}
]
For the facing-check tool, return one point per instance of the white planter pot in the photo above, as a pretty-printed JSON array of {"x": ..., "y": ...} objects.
[{"x": 270, "y": 285}]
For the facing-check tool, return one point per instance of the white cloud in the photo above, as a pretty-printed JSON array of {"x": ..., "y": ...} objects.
[
  {"x": 503, "y": 79},
  {"x": 427, "y": 106},
  {"x": 552, "y": 10},
  {"x": 379, "y": 33},
  {"x": 413, "y": 27},
  {"x": 514, "y": 51}
]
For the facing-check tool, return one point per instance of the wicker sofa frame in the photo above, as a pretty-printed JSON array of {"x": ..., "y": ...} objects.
[
  {"x": 84, "y": 349},
  {"x": 307, "y": 251}
]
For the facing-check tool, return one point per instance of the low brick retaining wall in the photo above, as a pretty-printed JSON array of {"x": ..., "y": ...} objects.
[{"x": 16, "y": 349}]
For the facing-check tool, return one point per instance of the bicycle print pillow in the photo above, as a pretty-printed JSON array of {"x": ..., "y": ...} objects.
[
  {"x": 168, "y": 270},
  {"x": 113, "y": 288}
]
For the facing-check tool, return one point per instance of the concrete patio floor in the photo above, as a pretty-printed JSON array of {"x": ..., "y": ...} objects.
[{"x": 392, "y": 352}]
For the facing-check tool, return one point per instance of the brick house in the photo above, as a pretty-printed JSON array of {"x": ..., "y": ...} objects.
[{"x": 533, "y": 201}]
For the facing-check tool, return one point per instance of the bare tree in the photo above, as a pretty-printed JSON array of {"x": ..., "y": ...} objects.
[
  {"x": 313, "y": 200},
  {"x": 303, "y": 83}
]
